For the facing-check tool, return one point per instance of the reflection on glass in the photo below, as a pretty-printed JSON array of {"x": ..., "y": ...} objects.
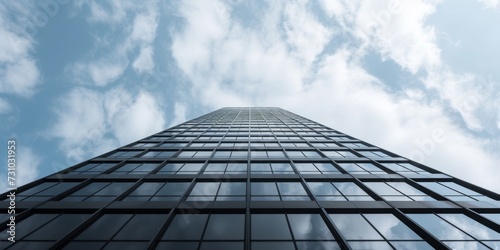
[
  {"x": 465, "y": 245},
  {"x": 219, "y": 245},
  {"x": 270, "y": 245},
  {"x": 412, "y": 245},
  {"x": 438, "y": 227},
  {"x": 391, "y": 227},
  {"x": 362, "y": 245},
  {"x": 270, "y": 227},
  {"x": 186, "y": 227},
  {"x": 225, "y": 227},
  {"x": 354, "y": 227},
  {"x": 232, "y": 188},
  {"x": 291, "y": 188},
  {"x": 264, "y": 188},
  {"x": 309, "y": 227},
  {"x": 493, "y": 217},
  {"x": 474, "y": 228},
  {"x": 317, "y": 245}
]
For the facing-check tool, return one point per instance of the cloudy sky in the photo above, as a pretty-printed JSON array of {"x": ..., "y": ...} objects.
[{"x": 417, "y": 77}]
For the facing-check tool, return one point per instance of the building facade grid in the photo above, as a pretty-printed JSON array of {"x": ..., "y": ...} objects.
[{"x": 252, "y": 178}]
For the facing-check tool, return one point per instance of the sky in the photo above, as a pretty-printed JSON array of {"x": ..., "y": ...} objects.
[{"x": 419, "y": 78}]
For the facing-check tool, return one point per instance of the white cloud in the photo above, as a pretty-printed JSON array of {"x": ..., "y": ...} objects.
[
  {"x": 89, "y": 123},
  {"x": 230, "y": 64},
  {"x": 490, "y": 3},
  {"x": 28, "y": 164},
  {"x": 80, "y": 123},
  {"x": 144, "y": 62},
  {"x": 5, "y": 107},
  {"x": 120, "y": 45},
  {"x": 180, "y": 110},
  {"x": 19, "y": 74},
  {"x": 133, "y": 118},
  {"x": 396, "y": 29}
]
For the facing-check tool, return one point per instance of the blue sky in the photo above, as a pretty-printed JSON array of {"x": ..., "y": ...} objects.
[{"x": 419, "y": 78}]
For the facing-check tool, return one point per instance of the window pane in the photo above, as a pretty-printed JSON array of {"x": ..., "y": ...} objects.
[
  {"x": 105, "y": 227},
  {"x": 149, "y": 224},
  {"x": 225, "y": 227},
  {"x": 309, "y": 227},
  {"x": 391, "y": 227},
  {"x": 186, "y": 227},
  {"x": 381, "y": 188},
  {"x": 354, "y": 227},
  {"x": 323, "y": 188},
  {"x": 474, "y": 228},
  {"x": 317, "y": 245},
  {"x": 273, "y": 245},
  {"x": 232, "y": 188},
  {"x": 90, "y": 189},
  {"x": 349, "y": 188},
  {"x": 438, "y": 227},
  {"x": 205, "y": 188},
  {"x": 408, "y": 245},
  {"x": 174, "y": 188},
  {"x": 405, "y": 188},
  {"x": 270, "y": 227},
  {"x": 493, "y": 217},
  {"x": 147, "y": 189},
  {"x": 219, "y": 245},
  {"x": 264, "y": 188},
  {"x": 58, "y": 227},
  {"x": 291, "y": 188},
  {"x": 440, "y": 189},
  {"x": 379, "y": 245}
]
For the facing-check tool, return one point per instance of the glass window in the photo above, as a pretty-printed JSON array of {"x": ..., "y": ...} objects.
[
  {"x": 354, "y": 227},
  {"x": 456, "y": 192},
  {"x": 267, "y": 154},
  {"x": 186, "y": 227},
  {"x": 493, "y": 217},
  {"x": 338, "y": 191},
  {"x": 225, "y": 227},
  {"x": 270, "y": 227},
  {"x": 149, "y": 225},
  {"x": 105, "y": 227},
  {"x": 57, "y": 228},
  {"x": 123, "y": 154},
  {"x": 158, "y": 154},
  {"x": 303, "y": 154},
  {"x": 268, "y": 168},
  {"x": 158, "y": 191},
  {"x": 99, "y": 191},
  {"x": 220, "y": 228},
  {"x": 220, "y": 191},
  {"x": 45, "y": 191},
  {"x": 136, "y": 168},
  {"x": 181, "y": 168},
  {"x": 284, "y": 191},
  {"x": 472, "y": 227},
  {"x": 338, "y": 154},
  {"x": 397, "y": 191},
  {"x": 391, "y": 227},
  {"x": 93, "y": 168},
  {"x": 309, "y": 227},
  {"x": 316, "y": 168},
  {"x": 361, "y": 168},
  {"x": 226, "y": 168},
  {"x": 439, "y": 227}
]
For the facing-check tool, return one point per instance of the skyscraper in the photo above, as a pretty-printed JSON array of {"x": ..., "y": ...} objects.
[{"x": 252, "y": 178}]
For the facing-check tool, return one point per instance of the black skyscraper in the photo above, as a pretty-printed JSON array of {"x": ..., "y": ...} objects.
[{"x": 252, "y": 178}]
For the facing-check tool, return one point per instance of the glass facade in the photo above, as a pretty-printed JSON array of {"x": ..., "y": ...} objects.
[{"x": 252, "y": 178}]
